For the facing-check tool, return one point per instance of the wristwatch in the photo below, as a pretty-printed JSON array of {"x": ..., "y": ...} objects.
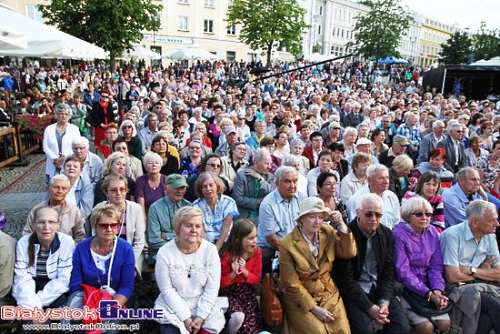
[{"x": 473, "y": 271}]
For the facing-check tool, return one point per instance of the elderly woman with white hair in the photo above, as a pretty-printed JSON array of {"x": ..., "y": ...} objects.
[
  {"x": 399, "y": 183},
  {"x": 128, "y": 132},
  {"x": 188, "y": 273},
  {"x": 419, "y": 265},
  {"x": 149, "y": 187},
  {"x": 296, "y": 149},
  {"x": 350, "y": 135},
  {"x": 57, "y": 140}
]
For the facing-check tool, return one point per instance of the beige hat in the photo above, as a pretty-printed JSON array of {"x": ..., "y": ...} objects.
[
  {"x": 473, "y": 106},
  {"x": 313, "y": 205},
  {"x": 401, "y": 140}
]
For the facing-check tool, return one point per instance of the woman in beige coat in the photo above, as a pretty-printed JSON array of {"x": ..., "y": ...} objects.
[{"x": 311, "y": 301}]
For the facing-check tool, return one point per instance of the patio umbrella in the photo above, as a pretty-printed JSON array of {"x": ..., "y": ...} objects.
[
  {"x": 139, "y": 52},
  {"x": 191, "y": 52},
  {"x": 10, "y": 38},
  {"x": 315, "y": 57},
  {"x": 45, "y": 41}
]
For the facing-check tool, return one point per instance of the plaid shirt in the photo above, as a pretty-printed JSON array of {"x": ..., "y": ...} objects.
[{"x": 411, "y": 134}]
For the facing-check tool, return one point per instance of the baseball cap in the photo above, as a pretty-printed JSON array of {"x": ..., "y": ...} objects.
[
  {"x": 401, "y": 140},
  {"x": 176, "y": 181}
]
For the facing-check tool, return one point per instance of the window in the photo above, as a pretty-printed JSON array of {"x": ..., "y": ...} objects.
[
  {"x": 230, "y": 56},
  {"x": 183, "y": 23},
  {"x": 186, "y": 2},
  {"x": 158, "y": 18},
  {"x": 33, "y": 13},
  {"x": 208, "y": 26},
  {"x": 319, "y": 30},
  {"x": 209, "y": 3},
  {"x": 231, "y": 30}
]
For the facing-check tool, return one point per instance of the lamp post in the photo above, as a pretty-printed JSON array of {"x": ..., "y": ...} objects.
[{"x": 413, "y": 39}]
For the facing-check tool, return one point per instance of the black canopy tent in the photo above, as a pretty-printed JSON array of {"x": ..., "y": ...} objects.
[{"x": 476, "y": 80}]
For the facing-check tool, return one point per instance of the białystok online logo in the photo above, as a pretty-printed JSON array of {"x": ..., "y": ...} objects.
[{"x": 108, "y": 309}]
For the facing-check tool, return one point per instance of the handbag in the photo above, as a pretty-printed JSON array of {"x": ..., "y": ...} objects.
[
  {"x": 270, "y": 305},
  {"x": 421, "y": 306}
]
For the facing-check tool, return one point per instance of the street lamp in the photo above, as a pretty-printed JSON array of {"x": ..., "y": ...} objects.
[{"x": 413, "y": 39}]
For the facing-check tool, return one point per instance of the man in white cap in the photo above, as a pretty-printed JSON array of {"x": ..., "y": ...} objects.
[{"x": 363, "y": 145}]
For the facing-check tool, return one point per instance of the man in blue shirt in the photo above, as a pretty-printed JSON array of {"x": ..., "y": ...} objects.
[
  {"x": 457, "y": 198},
  {"x": 470, "y": 253},
  {"x": 277, "y": 213}
]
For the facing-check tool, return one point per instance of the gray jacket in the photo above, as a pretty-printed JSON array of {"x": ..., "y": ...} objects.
[{"x": 244, "y": 191}]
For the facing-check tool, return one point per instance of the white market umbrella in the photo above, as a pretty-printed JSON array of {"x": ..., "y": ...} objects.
[
  {"x": 45, "y": 41},
  {"x": 191, "y": 52},
  {"x": 315, "y": 57},
  {"x": 139, "y": 52},
  {"x": 479, "y": 62},
  {"x": 11, "y": 38}
]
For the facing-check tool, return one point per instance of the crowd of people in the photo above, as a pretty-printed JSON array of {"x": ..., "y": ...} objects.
[{"x": 363, "y": 198}]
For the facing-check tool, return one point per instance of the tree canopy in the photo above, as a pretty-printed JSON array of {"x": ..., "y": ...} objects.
[
  {"x": 486, "y": 43},
  {"x": 377, "y": 33},
  {"x": 112, "y": 25},
  {"x": 456, "y": 50},
  {"x": 266, "y": 22}
]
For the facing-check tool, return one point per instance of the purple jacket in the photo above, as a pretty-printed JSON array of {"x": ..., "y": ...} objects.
[{"x": 417, "y": 258}]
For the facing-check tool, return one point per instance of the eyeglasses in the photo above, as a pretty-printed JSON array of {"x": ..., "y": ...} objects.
[
  {"x": 421, "y": 214},
  {"x": 42, "y": 223},
  {"x": 79, "y": 148},
  {"x": 195, "y": 148},
  {"x": 330, "y": 184},
  {"x": 459, "y": 131},
  {"x": 370, "y": 214},
  {"x": 214, "y": 165},
  {"x": 127, "y": 127},
  {"x": 241, "y": 118},
  {"x": 104, "y": 97},
  {"x": 335, "y": 128},
  {"x": 111, "y": 132},
  {"x": 177, "y": 126},
  {"x": 115, "y": 191},
  {"x": 104, "y": 227}
]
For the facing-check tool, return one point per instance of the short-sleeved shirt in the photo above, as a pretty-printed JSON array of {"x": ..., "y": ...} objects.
[
  {"x": 150, "y": 195},
  {"x": 458, "y": 246},
  {"x": 483, "y": 164},
  {"x": 277, "y": 216},
  {"x": 213, "y": 221}
]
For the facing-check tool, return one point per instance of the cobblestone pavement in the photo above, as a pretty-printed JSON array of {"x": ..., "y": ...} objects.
[{"x": 21, "y": 188}]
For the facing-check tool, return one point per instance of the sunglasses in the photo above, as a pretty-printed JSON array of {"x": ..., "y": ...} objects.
[
  {"x": 117, "y": 190},
  {"x": 177, "y": 126},
  {"x": 421, "y": 214},
  {"x": 127, "y": 127},
  {"x": 214, "y": 165},
  {"x": 336, "y": 128},
  {"x": 104, "y": 97},
  {"x": 369, "y": 214},
  {"x": 104, "y": 227}
]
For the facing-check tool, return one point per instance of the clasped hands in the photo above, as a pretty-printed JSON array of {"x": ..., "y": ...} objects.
[{"x": 193, "y": 325}]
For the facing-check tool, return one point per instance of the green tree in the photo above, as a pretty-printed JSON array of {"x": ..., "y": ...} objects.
[
  {"x": 456, "y": 49},
  {"x": 266, "y": 22},
  {"x": 377, "y": 33},
  {"x": 486, "y": 43},
  {"x": 110, "y": 24}
]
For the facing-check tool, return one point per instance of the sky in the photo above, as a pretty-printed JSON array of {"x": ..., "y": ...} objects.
[{"x": 468, "y": 13}]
